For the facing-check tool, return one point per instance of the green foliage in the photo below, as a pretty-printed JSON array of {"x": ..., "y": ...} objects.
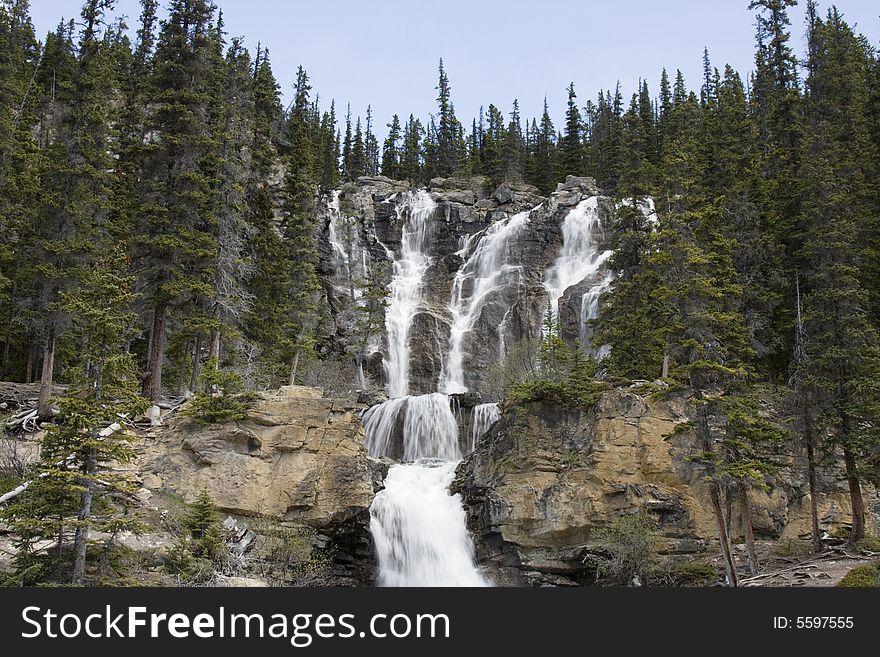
[
  {"x": 866, "y": 576},
  {"x": 629, "y": 548},
  {"x": 567, "y": 395},
  {"x": 288, "y": 554},
  {"x": 200, "y": 550},
  {"x": 792, "y": 548},
  {"x": 694, "y": 574},
  {"x": 220, "y": 398}
]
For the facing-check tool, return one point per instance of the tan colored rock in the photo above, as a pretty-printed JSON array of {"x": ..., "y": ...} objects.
[
  {"x": 296, "y": 456},
  {"x": 543, "y": 480}
]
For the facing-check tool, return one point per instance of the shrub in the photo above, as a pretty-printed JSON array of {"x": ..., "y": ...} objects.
[
  {"x": 201, "y": 549},
  {"x": 220, "y": 398},
  {"x": 693, "y": 574},
  {"x": 866, "y": 576},
  {"x": 792, "y": 548},
  {"x": 869, "y": 544},
  {"x": 629, "y": 550}
]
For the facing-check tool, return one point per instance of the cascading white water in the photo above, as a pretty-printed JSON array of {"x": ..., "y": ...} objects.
[
  {"x": 482, "y": 419},
  {"x": 590, "y": 311},
  {"x": 350, "y": 260},
  {"x": 488, "y": 269},
  {"x": 407, "y": 287},
  {"x": 579, "y": 259},
  {"x": 428, "y": 426},
  {"x": 419, "y": 529}
]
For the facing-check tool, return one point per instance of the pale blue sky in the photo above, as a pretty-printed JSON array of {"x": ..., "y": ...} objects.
[{"x": 385, "y": 52}]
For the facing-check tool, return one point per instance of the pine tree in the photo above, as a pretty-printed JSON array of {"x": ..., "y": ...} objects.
[
  {"x": 346, "y": 149},
  {"x": 299, "y": 231},
  {"x": 841, "y": 362},
  {"x": 75, "y": 195},
  {"x": 412, "y": 156},
  {"x": 358, "y": 161},
  {"x": 20, "y": 167},
  {"x": 76, "y": 479},
  {"x": 571, "y": 154},
  {"x": 450, "y": 151},
  {"x": 371, "y": 147},
  {"x": 514, "y": 146},
  {"x": 391, "y": 154},
  {"x": 175, "y": 247}
]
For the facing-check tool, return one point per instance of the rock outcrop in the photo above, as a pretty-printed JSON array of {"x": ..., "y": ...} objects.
[
  {"x": 297, "y": 457},
  {"x": 545, "y": 478}
]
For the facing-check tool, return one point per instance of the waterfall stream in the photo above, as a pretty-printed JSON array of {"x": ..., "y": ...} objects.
[
  {"x": 418, "y": 528},
  {"x": 407, "y": 287},
  {"x": 579, "y": 259},
  {"x": 488, "y": 270}
]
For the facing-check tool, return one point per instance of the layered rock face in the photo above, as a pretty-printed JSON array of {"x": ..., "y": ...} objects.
[
  {"x": 545, "y": 478},
  {"x": 297, "y": 457},
  {"x": 363, "y": 226}
]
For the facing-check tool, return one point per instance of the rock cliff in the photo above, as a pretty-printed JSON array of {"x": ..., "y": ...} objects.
[
  {"x": 545, "y": 478},
  {"x": 362, "y": 231},
  {"x": 297, "y": 457}
]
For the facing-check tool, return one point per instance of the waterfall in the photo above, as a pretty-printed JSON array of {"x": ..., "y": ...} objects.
[
  {"x": 482, "y": 419},
  {"x": 407, "y": 287},
  {"x": 419, "y": 529},
  {"x": 488, "y": 270},
  {"x": 579, "y": 259},
  {"x": 429, "y": 428},
  {"x": 340, "y": 253},
  {"x": 590, "y": 311}
]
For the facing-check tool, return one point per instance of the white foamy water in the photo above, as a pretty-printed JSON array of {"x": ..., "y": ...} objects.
[
  {"x": 486, "y": 271},
  {"x": 428, "y": 427},
  {"x": 420, "y": 530},
  {"x": 590, "y": 311},
  {"x": 482, "y": 419},
  {"x": 579, "y": 258},
  {"x": 407, "y": 288}
]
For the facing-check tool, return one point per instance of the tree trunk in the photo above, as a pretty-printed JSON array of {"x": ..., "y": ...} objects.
[
  {"x": 294, "y": 364},
  {"x": 196, "y": 363},
  {"x": 855, "y": 496},
  {"x": 745, "y": 511},
  {"x": 814, "y": 501},
  {"x": 4, "y": 366},
  {"x": 181, "y": 375},
  {"x": 215, "y": 345},
  {"x": 726, "y": 552},
  {"x": 152, "y": 388},
  {"x": 43, "y": 410},
  {"x": 81, "y": 537},
  {"x": 29, "y": 366}
]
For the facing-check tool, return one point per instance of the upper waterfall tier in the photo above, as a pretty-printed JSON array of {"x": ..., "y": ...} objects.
[{"x": 466, "y": 274}]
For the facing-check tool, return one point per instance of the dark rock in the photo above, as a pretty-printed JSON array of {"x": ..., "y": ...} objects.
[{"x": 503, "y": 194}]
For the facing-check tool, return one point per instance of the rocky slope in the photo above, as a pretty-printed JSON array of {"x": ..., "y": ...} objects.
[{"x": 545, "y": 478}]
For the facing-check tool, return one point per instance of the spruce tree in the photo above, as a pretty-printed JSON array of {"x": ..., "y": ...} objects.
[
  {"x": 174, "y": 246},
  {"x": 571, "y": 154},
  {"x": 391, "y": 155},
  {"x": 841, "y": 363}
]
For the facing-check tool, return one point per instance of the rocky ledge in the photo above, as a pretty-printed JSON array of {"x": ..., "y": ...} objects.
[{"x": 297, "y": 457}]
